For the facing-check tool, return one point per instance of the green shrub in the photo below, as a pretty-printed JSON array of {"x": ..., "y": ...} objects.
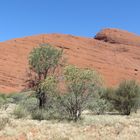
[
  {"x": 17, "y": 97},
  {"x": 30, "y": 104},
  {"x": 99, "y": 106},
  {"x": 46, "y": 114},
  {"x": 3, "y": 98},
  {"x": 39, "y": 114},
  {"x": 2, "y": 101},
  {"x": 125, "y": 98},
  {"x": 2, "y": 95},
  {"x": 10, "y": 100},
  {"x": 53, "y": 114},
  {"x": 20, "y": 112}
]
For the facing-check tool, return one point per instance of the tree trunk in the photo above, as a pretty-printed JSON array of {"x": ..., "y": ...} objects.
[
  {"x": 42, "y": 100},
  {"x": 40, "y": 103}
]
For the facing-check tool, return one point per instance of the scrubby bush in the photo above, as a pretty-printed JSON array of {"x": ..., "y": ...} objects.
[
  {"x": 44, "y": 114},
  {"x": 2, "y": 95},
  {"x": 39, "y": 114},
  {"x": 2, "y": 101},
  {"x": 4, "y": 122},
  {"x": 17, "y": 97},
  {"x": 99, "y": 106},
  {"x": 30, "y": 104},
  {"x": 3, "y": 98},
  {"x": 125, "y": 98},
  {"x": 20, "y": 112},
  {"x": 13, "y": 98}
]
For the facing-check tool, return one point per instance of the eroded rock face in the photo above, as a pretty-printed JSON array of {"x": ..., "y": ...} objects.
[
  {"x": 117, "y": 36},
  {"x": 114, "y": 61}
]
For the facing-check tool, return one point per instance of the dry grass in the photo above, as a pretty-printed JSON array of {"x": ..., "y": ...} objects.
[{"x": 91, "y": 127}]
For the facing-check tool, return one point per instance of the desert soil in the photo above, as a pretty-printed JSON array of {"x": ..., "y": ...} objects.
[{"x": 92, "y": 127}]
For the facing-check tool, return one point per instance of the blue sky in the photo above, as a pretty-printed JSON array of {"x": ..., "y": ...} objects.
[{"x": 19, "y": 18}]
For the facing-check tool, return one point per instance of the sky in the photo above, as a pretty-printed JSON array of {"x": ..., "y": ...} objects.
[{"x": 20, "y": 18}]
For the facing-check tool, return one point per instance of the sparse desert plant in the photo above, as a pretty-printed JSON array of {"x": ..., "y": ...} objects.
[
  {"x": 10, "y": 100},
  {"x": 47, "y": 114},
  {"x": 2, "y": 95},
  {"x": 4, "y": 122},
  {"x": 39, "y": 114},
  {"x": 20, "y": 112},
  {"x": 99, "y": 106},
  {"x": 81, "y": 84},
  {"x": 17, "y": 97},
  {"x": 30, "y": 104},
  {"x": 2, "y": 101}
]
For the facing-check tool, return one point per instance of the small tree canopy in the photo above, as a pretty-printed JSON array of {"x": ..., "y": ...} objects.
[
  {"x": 43, "y": 59},
  {"x": 79, "y": 80}
]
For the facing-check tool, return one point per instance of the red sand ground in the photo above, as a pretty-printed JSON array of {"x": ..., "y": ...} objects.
[{"x": 114, "y": 53}]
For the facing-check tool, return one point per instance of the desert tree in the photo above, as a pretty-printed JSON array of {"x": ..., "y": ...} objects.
[
  {"x": 43, "y": 61},
  {"x": 80, "y": 86}
]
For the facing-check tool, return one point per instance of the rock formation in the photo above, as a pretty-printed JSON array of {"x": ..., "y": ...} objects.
[{"x": 115, "y": 54}]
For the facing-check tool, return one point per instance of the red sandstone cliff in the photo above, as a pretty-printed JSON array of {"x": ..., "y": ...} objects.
[{"x": 114, "y": 53}]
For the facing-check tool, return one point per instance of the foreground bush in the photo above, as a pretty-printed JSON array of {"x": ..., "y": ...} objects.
[
  {"x": 125, "y": 98},
  {"x": 30, "y": 104},
  {"x": 99, "y": 106}
]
